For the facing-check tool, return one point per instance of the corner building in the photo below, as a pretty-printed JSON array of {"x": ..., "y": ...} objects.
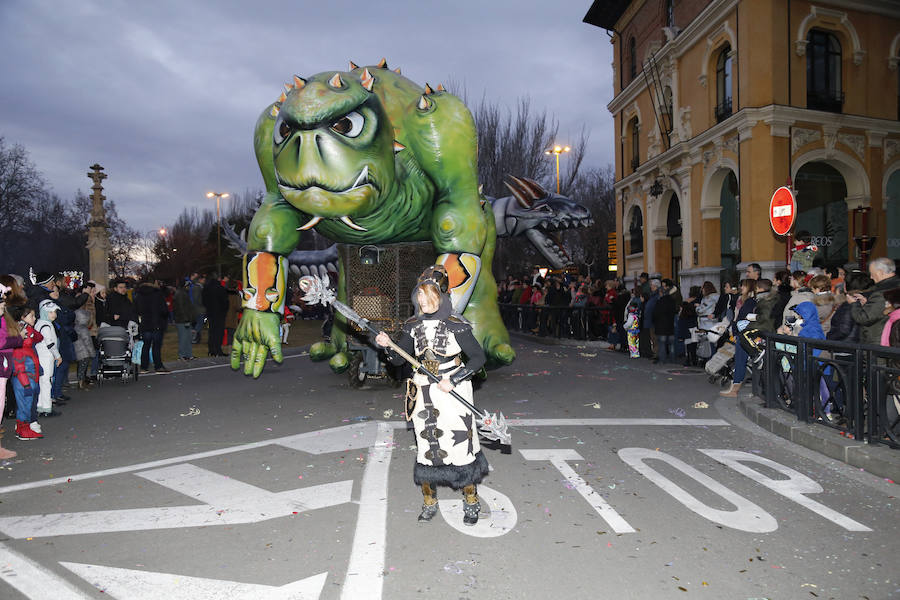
[{"x": 718, "y": 103}]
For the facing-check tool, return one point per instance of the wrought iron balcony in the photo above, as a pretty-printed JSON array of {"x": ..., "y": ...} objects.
[
  {"x": 635, "y": 163},
  {"x": 828, "y": 100},
  {"x": 723, "y": 110}
]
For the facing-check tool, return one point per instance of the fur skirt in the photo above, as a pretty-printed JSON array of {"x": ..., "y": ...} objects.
[{"x": 454, "y": 476}]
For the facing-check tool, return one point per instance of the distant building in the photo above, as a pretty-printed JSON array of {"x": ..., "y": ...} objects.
[{"x": 718, "y": 103}]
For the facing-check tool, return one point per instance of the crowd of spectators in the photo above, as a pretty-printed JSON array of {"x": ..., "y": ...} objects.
[{"x": 49, "y": 332}]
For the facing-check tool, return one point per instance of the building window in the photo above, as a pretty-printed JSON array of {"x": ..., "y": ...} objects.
[
  {"x": 636, "y": 231},
  {"x": 823, "y": 72},
  {"x": 670, "y": 13},
  {"x": 635, "y": 144},
  {"x": 632, "y": 52},
  {"x": 667, "y": 105},
  {"x": 723, "y": 85}
]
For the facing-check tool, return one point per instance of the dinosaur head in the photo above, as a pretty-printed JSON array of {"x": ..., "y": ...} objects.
[{"x": 331, "y": 146}]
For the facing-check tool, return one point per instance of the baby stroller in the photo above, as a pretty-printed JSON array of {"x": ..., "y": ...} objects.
[
  {"x": 115, "y": 361},
  {"x": 720, "y": 366}
]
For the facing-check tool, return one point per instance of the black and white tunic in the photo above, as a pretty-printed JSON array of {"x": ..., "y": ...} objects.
[{"x": 446, "y": 435}]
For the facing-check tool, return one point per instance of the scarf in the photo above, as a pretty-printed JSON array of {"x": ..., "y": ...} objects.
[{"x": 886, "y": 332}]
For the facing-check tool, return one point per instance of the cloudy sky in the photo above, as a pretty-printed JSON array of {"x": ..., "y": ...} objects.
[{"x": 164, "y": 93}]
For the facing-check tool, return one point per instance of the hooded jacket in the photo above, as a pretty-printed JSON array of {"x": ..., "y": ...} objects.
[
  {"x": 870, "y": 316},
  {"x": 48, "y": 350},
  {"x": 150, "y": 304},
  {"x": 8, "y": 343}
]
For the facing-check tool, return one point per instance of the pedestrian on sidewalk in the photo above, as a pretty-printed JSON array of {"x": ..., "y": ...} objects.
[
  {"x": 215, "y": 301},
  {"x": 153, "y": 316},
  {"x": 868, "y": 309},
  {"x": 26, "y": 375},
  {"x": 745, "y": 306},
  {"x": 183, "y": 313},
  {"x": 10, "y": 339},
  {"x": 48, "y": 355}
]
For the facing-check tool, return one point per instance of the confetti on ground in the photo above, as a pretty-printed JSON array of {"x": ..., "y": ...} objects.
[
  {"x": 388, "y": 413},
  {"x": 530, "y": 374},
  {"x": 541, "y": 351},
  {"x": 701, "y": 404},
  {"x": 587, "y": 354},
  {"x": 678, "y": 412},
  {"x": 192, "y": 412},
  {"x": 594, "y": 405}
]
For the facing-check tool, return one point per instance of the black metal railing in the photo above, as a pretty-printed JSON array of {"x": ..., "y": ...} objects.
[
  {"x": 635, "y": 163},
  {"x": 829, "y": 100},
  {"x": 574, "y": 322},
  {"x": 723, "y": 110},
  {"x": 853, "y": 388}
]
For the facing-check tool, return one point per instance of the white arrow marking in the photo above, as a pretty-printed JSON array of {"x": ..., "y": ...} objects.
[
  {"x": 227, "y": 502},
  {"x": 558, "y": 459},
  {"x": 130, "y": 584},
  {"x": 33, "y": 580},
  {"x": 500, "y": 521}
]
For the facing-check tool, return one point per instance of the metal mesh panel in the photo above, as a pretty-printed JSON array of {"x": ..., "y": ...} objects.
[{"x": 381, "y": 292}]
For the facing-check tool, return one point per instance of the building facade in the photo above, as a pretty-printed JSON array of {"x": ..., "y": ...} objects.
[{"x": 717, "y": 103}]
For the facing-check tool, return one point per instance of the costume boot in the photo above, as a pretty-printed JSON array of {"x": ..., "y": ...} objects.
[
  {"x": 732, "y": 392},
  {"x": 471, "y": 506},
  {"x": 430, "y": 506}
]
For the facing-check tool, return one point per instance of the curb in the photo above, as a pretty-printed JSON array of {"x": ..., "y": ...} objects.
[
  {"x": 874, "y": 458},
  {"x": 549, "y": 341}
]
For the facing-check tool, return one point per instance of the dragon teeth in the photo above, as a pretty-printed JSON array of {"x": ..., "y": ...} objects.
[{"x": 362, "y": 179}]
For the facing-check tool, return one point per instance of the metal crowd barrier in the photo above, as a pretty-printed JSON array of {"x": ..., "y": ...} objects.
[
  {"x": 851, "y": 387},
  {"x": 576, "y": 322}
]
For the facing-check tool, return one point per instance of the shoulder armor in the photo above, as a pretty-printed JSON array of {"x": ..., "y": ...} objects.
[{"x": 458, "y": 323}]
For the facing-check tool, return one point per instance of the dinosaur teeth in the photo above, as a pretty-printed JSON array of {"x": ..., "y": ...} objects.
[
  {"x": 311, "y": 223},
  {"x": 362, "y": 178},
  {"x": 349, "y": 223},
  {"x": 398, "y": 146}
]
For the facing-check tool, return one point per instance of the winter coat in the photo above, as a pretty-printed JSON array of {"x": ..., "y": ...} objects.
[
  {"x": 825, "y": 305},
  {"x": 234, "y": 309},
  {"x": 748, "y": 307},
  {"x": 843, "y": 327},
  {"x": 84, "y": 347},
  {"x": 152, "y": 312},
  {"x": 119, "y": 304},
  {"x": 784, "y": 296},
  {"x": 811, "y": 327},
  {"x": 27, "y": 352},
  {"x": 649, "y": 308},
  {"x": 870, "y": 316},
  {"x": 765, "y": 302},
  {"x": 686, "y": 320},
  {"x": 707, "y": 310},
  {"x": 184, "y": 309},
  {"x": 797, "y": 296},
  {"x": 48, "y": 349},
  {"x": 215, "y": 300},
  {"x": 65, "y": 332},
  {"x": 8, "y": 343},
  {"x": 664, "y": 315},
  {"x": 195, "y": 291}
]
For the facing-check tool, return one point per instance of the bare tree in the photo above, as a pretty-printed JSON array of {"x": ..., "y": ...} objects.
[{"x": 21, "y": 187}]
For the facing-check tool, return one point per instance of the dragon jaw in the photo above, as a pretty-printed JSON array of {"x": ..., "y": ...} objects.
[{"x": 357, "y": 193}]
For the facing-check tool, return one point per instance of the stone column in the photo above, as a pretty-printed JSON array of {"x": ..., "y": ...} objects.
[{"x": 98, "y": 236}]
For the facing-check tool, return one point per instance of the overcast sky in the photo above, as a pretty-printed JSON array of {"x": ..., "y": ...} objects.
[{"x": 165, "y": 93}]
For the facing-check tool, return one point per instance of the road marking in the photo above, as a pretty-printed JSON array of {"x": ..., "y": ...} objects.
[
  {"x": 747, "y": 517},
  {"x": 33, "y": 580},
  {"x": 225, "y": 502},
  {"x": 365, "y": 571},
  {"x": 131, "y": 584},
  {"x": 500, "y": 521},
  {"x": 351, "y": 436},
  {"x": 792, "y": 488},
  {"x": 601, "y": 422},
  {"x": 558, "y": 459}
]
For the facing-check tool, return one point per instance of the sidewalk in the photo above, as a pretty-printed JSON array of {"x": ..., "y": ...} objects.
[{"x": 875, "y": 458}]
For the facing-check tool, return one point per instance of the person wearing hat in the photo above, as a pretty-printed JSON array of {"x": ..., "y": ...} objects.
[
  {"x": 48, "y": 355},
  {"x": 43, "y": 287},
  {"x": 449, "y": 453}
]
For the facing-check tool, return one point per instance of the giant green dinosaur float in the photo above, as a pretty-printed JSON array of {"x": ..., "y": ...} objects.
[{"x": 366, "y": 156}]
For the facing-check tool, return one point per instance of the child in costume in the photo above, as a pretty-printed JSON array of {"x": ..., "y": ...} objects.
[
  {"x": 48, "y": 354},
  {"x": 632, "y": 326},
  {"x": 449, "y": 452},
  {"x": 9, "y": 340},
  {"x": 26, "y": 379},
  {"x": 286, "y": 324}
]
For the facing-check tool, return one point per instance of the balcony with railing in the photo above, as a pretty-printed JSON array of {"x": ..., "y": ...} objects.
[
  {"x": 828, "y": 100},
  {"x": 635, "y": 163}
]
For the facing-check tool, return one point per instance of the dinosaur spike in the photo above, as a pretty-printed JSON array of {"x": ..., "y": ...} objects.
[
  {"x": 299, "y": 82},
  {"x": 537, "y": 190},
  {"x": 353, "y": 66},
  {"x": 398, "y": 146},
  {"x": 282, "y": 97},
  {"x": 480, "y": 188},
  {"x": 275, "y": 110},
  {"x": 382, "y": 64},
  {"x": 288, "y": 87},
  {"x": 517, "y": 193},
  {"x": 428, "y": 89},
  {"x": 397, "y": 71},
  {"x": 367, "y": 80},
  {"x": 440, "y": 87},
  {"x": 423, "y": 104},
  {"x": 336, "y": 81}
]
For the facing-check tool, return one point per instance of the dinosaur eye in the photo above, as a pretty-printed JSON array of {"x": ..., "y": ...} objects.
[
  {"x": 349, "y": 125},
  {"x": 282, "y": 130}
]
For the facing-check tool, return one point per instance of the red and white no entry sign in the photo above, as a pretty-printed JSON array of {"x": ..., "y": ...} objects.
[{"x": 782, "y": 211}]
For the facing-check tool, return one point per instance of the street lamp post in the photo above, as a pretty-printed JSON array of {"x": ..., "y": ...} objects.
[
  {"x": 218, "y": 196},
  {"x": 557, "y": 150}
]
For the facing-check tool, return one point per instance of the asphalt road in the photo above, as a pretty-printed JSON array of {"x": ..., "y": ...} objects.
[{"x": 207, "y": 484}]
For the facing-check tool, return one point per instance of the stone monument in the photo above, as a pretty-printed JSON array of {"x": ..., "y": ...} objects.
[{"x": 98, "y": 236}]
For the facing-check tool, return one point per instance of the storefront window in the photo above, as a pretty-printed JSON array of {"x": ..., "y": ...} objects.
[{"x": 822, "y": 211}]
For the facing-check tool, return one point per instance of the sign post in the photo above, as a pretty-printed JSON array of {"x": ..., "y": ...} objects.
[{"x": 783, "y": 215}]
